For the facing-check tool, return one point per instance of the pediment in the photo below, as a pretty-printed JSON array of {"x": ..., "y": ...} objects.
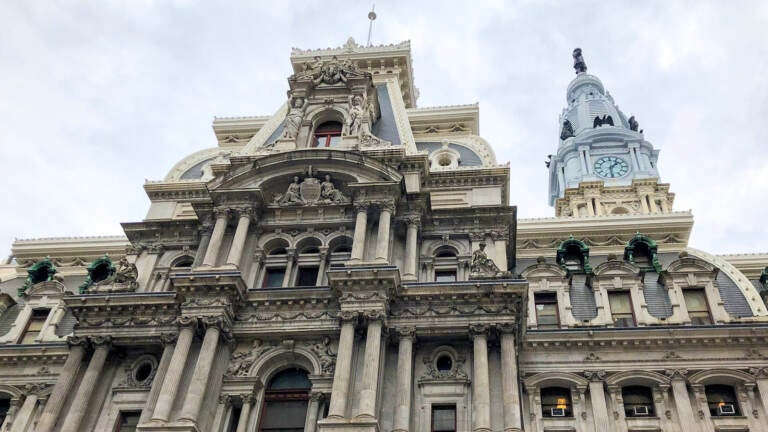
[
  {"x": 616, "y": 268},
  {"x": 543, "y": 270},
  {"x": 690, "y": 264}
]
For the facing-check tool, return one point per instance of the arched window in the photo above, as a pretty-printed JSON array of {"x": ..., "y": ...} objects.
[
  {"x": 275, "y": 265},
  {"x": 182, "y": 262},
  {"x": 308, "y": 262},
  {"x": 721, "y": 400},
  {"x": 573, "y": 255},
  {"x": 285, "y": 402},
  {"x": 556, "y": 402},
  {"x": 638, "y": 401},
  {"x": 327, "y": 134},
  {"x": 446, "y": 264}
]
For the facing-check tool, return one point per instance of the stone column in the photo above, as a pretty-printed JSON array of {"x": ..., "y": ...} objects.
[
  {"x": 701, "y": 401},
  {"x": 87, "y": 384},
  {"x": 205, "y": 239},
  {"x": 63, "y": 385},
  {"x": 761, "y": 375},
  {"x": 25, "y": 415},
  {"x": 223, "y": 411},
  {"x": 361, "y": 222},
  {"x": 157, "y": 382},
  {"x": 173, "y": 376},
  {"x": 510, "y": 390},
  {"x": 382, "y": 239},
  {"x": 663, "y": 412},
  {"x": 340, "y": 389},
  {"x": 652, "y": 203},
  {"x": 616, "y": 405},
  {"x": 370, "y": 381},
  {"x": 411, "y": 247},
  {"x": 481, "y": 395},
  {"x": 404, "y": 379},
  {"x": 644, "y": 204},
  {"x": 199, "y": 383},
  {"x": 597, "y": 396},
  {"x": 313, "y": 411},
  {"x": 12, "y": 410},
  {"x": 245, "y": 412},
  {"x": 212, "y": 252},
  {"x": 241, "y": 234},
  {"x": 682, "y": 401},
  {"x": 290, "y": 255},
  {"x": 321, "y": 268}
]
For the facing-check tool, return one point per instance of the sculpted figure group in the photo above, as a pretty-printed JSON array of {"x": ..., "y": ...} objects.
[{"x": 309, "y": 192}]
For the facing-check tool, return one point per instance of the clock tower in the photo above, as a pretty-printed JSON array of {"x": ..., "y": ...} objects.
[{"x": 603, "y": 164}]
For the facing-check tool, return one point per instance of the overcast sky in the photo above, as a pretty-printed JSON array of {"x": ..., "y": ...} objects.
[{"x": 97, "y": 96}]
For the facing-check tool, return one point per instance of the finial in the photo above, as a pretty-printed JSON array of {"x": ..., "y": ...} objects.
[
  {"x": 578, "y": 62},
  {"x": 371, "y": 17}
]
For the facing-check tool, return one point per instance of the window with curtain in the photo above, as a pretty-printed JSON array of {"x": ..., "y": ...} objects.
[
  {"x": 638, "y": 401},
  {"x": 34, "y": 326},
  {"x": 721, "y": 400},
  {"x": 443, "y": 418},
  {"x": 546, "y": 310},
  {"x": 621, "y": 309},
  {"x": 698, "y": 309},
  {"x": 556, "y": 401},
  {"x": 285, "y": 402}
]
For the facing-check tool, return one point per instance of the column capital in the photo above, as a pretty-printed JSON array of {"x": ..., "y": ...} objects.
[
  {"x": 74, "y": 341},
  {"x": 676, "y": 374},
  {"x": 225, "y": 399},
  {"x": 36, "y": 389},
  {"x": 388, "y": 205},
  {"x": 478, "y": 329},
  {"x": 374, "y": 315},
  {"x": 186, "y": 321},
  {"x": 216, "y": 321},
  {"x": 595, "y": 376},
  {"x": 317, "y": 396},
  {"x": 406, "y": 333},
  {"x": 348, "y": 316},
  {"x": 221, "y": 212},
  {"x": 477, "y": 236},
  {"x": 248, "y": 398},
  {"x": 759, "y": 373},
  {"x": 507, "y": 328},
  {"x": 98, "y": 341},
  {"x": 168, "y": 338},
  {"x": 362, "y": 206}
]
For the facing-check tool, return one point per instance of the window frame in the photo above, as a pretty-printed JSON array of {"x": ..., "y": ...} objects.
[
  {"x": 713, "y": 405},
  {"x": 277, "y": 395},
  {"x": 629, "y": 408},
  {"x": 546, "y": 409},
  {"x": 267, "y": 270},
  {"x": 547, "y": 301},
  {"x": 631, "y": 313},
  {"x": 326, "y": 135},
  {"x": 695, "y": 319},
  {"x": 29, "y": 322},
  {"x": 441, "y": 406},
  {"x": 121, "y": 418}
]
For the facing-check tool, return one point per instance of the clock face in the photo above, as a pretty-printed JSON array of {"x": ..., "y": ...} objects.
[{"x": 611, "y": 167}]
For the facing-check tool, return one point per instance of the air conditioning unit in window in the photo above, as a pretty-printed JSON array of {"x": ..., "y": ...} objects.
[
  {"x": 557, "y": 412},
  {"x": 641, "y": 410},
  {"x": 726, "y": 410}
]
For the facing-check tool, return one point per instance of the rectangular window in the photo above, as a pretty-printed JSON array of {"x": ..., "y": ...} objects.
[
  {"x": 307, "y": 276},
  {"x": 445, "y": 275},
  {"x": 34, "y": 326},
  {"x": 621, "y": 309},
  {"x": 274, "y": 277},
  {"x": 443, "y": 418},
  {"x": 698, "y": 309},
  {"x": 546, "y": 310},
  {"x": 127, "y": 421}
]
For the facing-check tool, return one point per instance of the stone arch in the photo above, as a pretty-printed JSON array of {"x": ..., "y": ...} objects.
[
  {"x": 326, "y": 114},
  {"x": 338, "y": 239},
  {"x": 170, "y": 258},
  {"x": 11, "y": 391},
  {"x": 271, "y": 241},
  {"x": 307, "y": 240},
  {"x": 281, "y": 358},
  {"x": 555, "y": 379},
  {"x": 429, "y": 248},
  {"x": 637, "y": 377},
  {"x": 543, "y": 269},
  {"x": 689, "y": 263},
  {"x": 614, "y": 267},
  {"x": 721, "y": 376}
]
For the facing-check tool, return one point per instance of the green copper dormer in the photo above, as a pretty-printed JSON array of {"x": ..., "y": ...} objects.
[
  {"x": 643, "y": 252},
  {"x": 41, "y": 271},
  {"x": 573, "y": 256}
]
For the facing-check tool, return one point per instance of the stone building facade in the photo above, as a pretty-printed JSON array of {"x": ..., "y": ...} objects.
[{"x": 352, "y": 263}]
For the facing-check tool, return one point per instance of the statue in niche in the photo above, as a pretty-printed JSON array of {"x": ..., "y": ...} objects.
[
  {"x": 293, "y": 118},
  {"x": 567, "y": 130},
  {"x": 578, "y": 62},
  {"x": 329, "y": 193},
  {"x": 484, "y": 267},
  {"x": 354, "y": 123},
  {"x": 292, "y": 195}
]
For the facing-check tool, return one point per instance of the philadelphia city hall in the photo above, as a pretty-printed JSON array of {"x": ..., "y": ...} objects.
[{"x": 352, "y": 263}]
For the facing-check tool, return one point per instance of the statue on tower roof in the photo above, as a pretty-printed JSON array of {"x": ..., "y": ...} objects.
[{"x": 578, "y": 62}]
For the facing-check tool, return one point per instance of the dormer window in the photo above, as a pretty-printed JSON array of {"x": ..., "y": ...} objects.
[{"x": 327, "y": 134}]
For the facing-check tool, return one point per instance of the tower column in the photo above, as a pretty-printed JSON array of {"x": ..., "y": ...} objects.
[
  {"x": 157, "y": 382},
  {"x": 173, "y": 375},
  {"x": 87, "y": 384},
  {"x": 341, "y": 374},
  {"x": 481, "y": 396},
  {"x": 197, "y": 387},
  {"x": 404, "y": 380},
  {"x": 382, "y": 239},
  {"x": 63, "y": 385},
  {"x": 509, "y": 386},
  {"x": 370, "y": 379},
  {"x": 411, "y": 245},
  {"x": 361, "y": 222},
  {"x": 212, "y": 252},
  {"x": 597, "y": 396},
  {"x": 241, "y": 234}
]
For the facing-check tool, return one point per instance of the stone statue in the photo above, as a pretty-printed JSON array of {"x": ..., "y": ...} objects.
[
  {"x": 125, "y": 272},
  {"x": 330, "y": 73},
  {"x": 329, "y": 193},
  {"x": 293, "y": 118},
  {"x": 356, "y": 114},
  {"x": 481, "y": 263},
  {"x": 567, "y": 130},
  {"x": 633, "y": 124},
  {"x": 292, "y": 195},
  {"x": 578, "y": 62}
]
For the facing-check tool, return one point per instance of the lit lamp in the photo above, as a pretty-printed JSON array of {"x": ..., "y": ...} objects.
[{"x": 561, "y": 403}]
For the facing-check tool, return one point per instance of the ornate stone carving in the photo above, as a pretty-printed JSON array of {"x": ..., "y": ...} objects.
[
  {"x": 598, "y": 375},
  {"x": 104, "y": 276},
  {"x": 406, "y": 332},
  {"x": 101, "y": 341},
  {"x": 483, "y": 267},
  {"x": 326, "y": 355},
  {"x": 567, "y": 130},
  {"x": 330, "y": 72},
  {"x": 456, "y": 372},
  {"x": 355, "y": 122},
  {"x": 294, "y": 117},
  {"x": 241, "y": 362},
  {"x": 329, "y": 193},
  {"x": 676, "y": 374},
  {"x": 225, "y": 399},
  {"x": 477, "y": 329},
  {"x": 41, "y": 271},
  {"x": 310, "y": 192}
]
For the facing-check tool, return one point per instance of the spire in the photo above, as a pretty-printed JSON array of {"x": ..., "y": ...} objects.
[{"x": 578, "y": 62}]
